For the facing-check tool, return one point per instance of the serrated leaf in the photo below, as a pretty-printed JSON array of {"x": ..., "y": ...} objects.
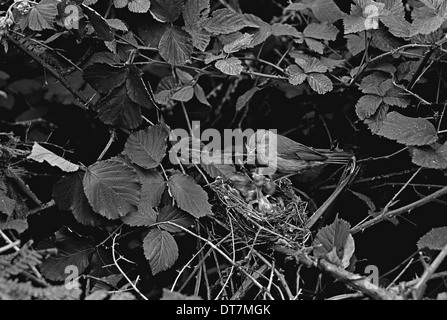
[
  {"x": 117, "y": 24},
  {"x": 117, "y": 109},
  {"x": 166, "y": 10},
  {"x": 320, "y": 83},
  {"x": 18, "y": 225},
  {"x": 409, "y": 131},
  {"x": 367, "y": 106},
  {"x": 153, "y": 187},
  {"x": 225, "y": 21},
  {"x": 240, "y": 43},
  {"x": 42, "y": 15},
  {"x": 71, "y": 252},
  {"x": 147, "y": 148},
  {"x": 189, "y": 196},
  {"x": 395, "y": 20},
  {"x": 69, "y": 195},
  {"x": 104, "y": 77},
  {"x": 183, "y": 94},
  {"x": 175, "y": 215},
  {"x": 314, "y": 45},
  {"x": 175, "y": 46},
  {"x": 160, "y": 249},
  {"x": 296, "y": 75},
  {"x": 283, "y": 29},
  {"x": 102, "y": 28},
  {"x": 120, "y": 3},
  {"x": 335, "y": 243},
  {"x": 371, "y": 84},
  {"x": 145, "y": 216},
  {"x": 165, "y": 90},
  {"x": 139, "y": 6},
  {"x": 355, "y": 44},
  {"x": 432, "y": 157},
  {"x": 435, "y": 239},
  {"x": 326, "y": 10},
  {"x": 112, "y": 188},
  {"x": 231, "y": 66},
  {"x": 375, "y": 122},
  {"x": 245, "y": 98},
  {"x": 40, "y": 154},
  {"x": 313, "y": 65},
  {"x": 194, "y": 13},
  {"x": 136, "y": 89},
  {"x": 331, "y": 64},
  {"x": 396, "y": 101},
  {"x": 263, "y": 31},
  {"x": 321, "y": 31},
  {"x": 425, "y": 21}
]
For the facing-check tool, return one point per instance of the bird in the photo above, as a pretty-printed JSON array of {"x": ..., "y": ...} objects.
[{"x": 284, "y": 155}]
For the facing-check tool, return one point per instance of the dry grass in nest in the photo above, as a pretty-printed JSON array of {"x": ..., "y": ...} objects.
[{"x": 251, "y": 224}]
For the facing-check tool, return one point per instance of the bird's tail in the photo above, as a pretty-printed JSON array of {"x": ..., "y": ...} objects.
[{"x": 337, "y": 157}]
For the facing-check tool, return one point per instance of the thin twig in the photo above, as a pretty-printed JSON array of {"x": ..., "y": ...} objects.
[
  {"x": 122, "y": 272},
  {"x": 419, "y": 288},
  {"x": 10, "y": 246}
]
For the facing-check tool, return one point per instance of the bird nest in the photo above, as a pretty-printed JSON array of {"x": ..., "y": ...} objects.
[{"x": 267, "y": 219}]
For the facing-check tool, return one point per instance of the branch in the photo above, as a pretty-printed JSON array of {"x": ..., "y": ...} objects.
[{"x": 399, "y": 211}]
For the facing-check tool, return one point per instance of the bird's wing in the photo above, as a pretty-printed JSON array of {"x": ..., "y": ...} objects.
[{"x": 289, "y": 149}]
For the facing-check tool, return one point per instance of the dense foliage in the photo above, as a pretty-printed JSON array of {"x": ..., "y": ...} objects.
[{"x": 92, "y": 205}]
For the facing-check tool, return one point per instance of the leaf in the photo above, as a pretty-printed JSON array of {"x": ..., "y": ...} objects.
[
  {"x": 395, "y": 20},
  {"x": 120, "y": 3},
  {"x": 200, "y": 95},
  {"x": 231, "y": 66},
  {"x": 112, "y": 188},
  {"x": 175, "y": 46},
  {"x": 356, "y": 44},
  {"x": 160, "y": 249},
  {"x": 40, "y": 154},
  {"x": 323, "y": 10},
  {"x": 104, "y": 77},
  {"x": 18, "y": 225},
  {"x": 313, "y": 65},
  {"x": 433, "y": 157},
  {"x": 166, "y": 10},
  {"x": 320, "y": 83},
  {"x": 69, "y": 195},
  {"x": 219, "y": 170},
  {"x": 147, "y": 148},
  {"x": 175, "y": 215},
  {"x": 435, "y": 239},
  {"x": 367, "y": 200},
  {"x": 165, "y": 90},
  {"x": 226, "y": 21},
  {"x": 408, "y": 131},
  {"x": 117, "y": 24},
  {"x": 152, "y": 32},
  {"x": 367, "y": 106},
  {"x": 42, "y": 15},
  {"x": 375, "y": 122},
  {"x": 173, "y": 295},
  {"x": 283, "y": 29},
  {"x": 7, "y": 205},
  {"x": 184, "y": 94},
  {"x": 139, "y": 6},
  {"x": 425, "y": 21},
  {"x": 238, "y": 44},
  {"x": 371, "y": 84},
  {"x": 331, "y": 64},
  {"x": 296, "y": 75},
  {"x": 153, "y": 187},
  {"x": 145, "y": 216},
  {"x": 117, "y": 109},
  {"x": 245, "y": 98},
  {"x": 314, "y": 45},
  {"x": 364, "y": 16},
  {"x": 102, "y": 28},
  {"x": 335, "y": 243},
  {"x": 136, "y": 89},
  {"x": 194, "y": 13},
  {"x": 321, "y": 31},
  {"x": 189, "y": 196},
  {"x": 72, "y": 252}
]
